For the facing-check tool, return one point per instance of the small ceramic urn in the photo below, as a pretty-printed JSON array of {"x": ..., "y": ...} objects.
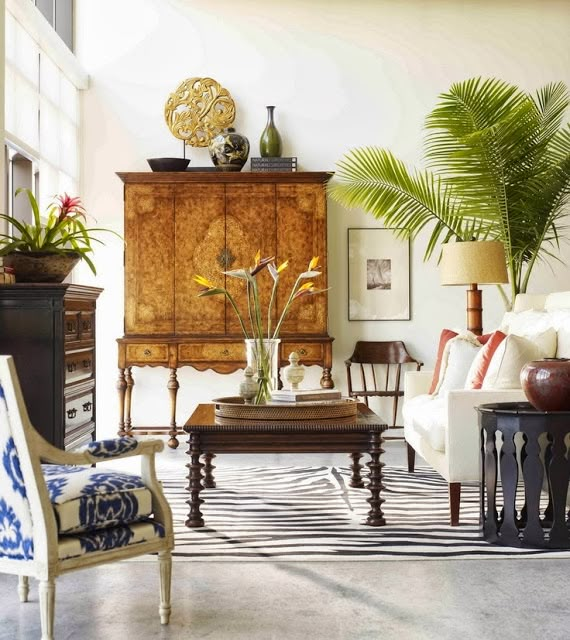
[
  {"x": 294, "y": 372},
  {"x": 229, "y": 150},
  {"x": 546, "y": 384},
  {"x": 248, "y": 388}
]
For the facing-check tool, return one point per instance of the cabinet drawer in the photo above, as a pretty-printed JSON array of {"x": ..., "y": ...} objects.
[
  {"x": 71, "y": 326},
  {"x": 86, "y": 325},
  {"x": 147, "y": 353},
  {"x": 307, "y": 352},
  {"x": 78, "y": 411},
  {"x": 223, "y": 352},
  {"x": 79, "y": 366}
]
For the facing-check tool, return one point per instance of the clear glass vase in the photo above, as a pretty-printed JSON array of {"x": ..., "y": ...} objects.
[{"x": 263, "y": 357}]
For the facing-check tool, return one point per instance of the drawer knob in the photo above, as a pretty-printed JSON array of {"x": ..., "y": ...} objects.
[
  {"x": 87, "y": 363},
  {"x": 71, "y": 413},
  {"x": 302, "y": 352},
  {"x": 87, "y": 406},
  {"x": 86, "y": 325},
  {"x": 226, "y": 352},
  {"x": 71, "y": 366},
  {"x": 146, "y": 352}
]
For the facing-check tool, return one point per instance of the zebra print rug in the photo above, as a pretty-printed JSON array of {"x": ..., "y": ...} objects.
[{"x": 310, "y": 513}]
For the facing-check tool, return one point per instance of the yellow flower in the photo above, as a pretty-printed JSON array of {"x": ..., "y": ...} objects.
[
  {"x": 203, "y": 282},
  {"x": 283, "y": 266},
  {"x": 314, "y": 263}
]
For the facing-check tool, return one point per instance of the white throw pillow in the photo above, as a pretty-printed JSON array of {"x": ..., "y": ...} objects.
[
  {"x": 457, "y": 358},
  {"x": 510, "y": 357}
]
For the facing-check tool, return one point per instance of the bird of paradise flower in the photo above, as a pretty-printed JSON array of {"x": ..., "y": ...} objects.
[{"x": 255, "y": 315}]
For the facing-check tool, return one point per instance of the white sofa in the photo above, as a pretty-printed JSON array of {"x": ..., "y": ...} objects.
[{"x": 444, "y": 429}]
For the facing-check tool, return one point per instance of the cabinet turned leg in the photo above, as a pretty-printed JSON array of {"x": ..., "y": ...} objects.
[
  {"x": 326, "y": 379},
  {"x": 375, "y": 515},
  {"x": 195, "y": 518},
  {"x": 356, "y": 479},
  {"x": 128, "y": 395},
  {"x": 209, "y": 480},
  {"x": 121, "y": 388},
  {"x": 173, "y": 387}
]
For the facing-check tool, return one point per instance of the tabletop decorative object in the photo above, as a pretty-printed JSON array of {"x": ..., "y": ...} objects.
[
  {"x": 294, "y": 373},
  {"x": 229, "y": 150},
  {"x": 546, "y": 384},
  {"x": 270, "y": 141},
  {"x": 198, "y": 111},
  {"x": 263, "y": 350},
  {"x": 248, "y": 387}
]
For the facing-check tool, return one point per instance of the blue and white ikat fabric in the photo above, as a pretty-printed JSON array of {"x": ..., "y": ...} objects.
[
  {"x": 16, "y": 540},
  {"x": 112, "y": 448}
]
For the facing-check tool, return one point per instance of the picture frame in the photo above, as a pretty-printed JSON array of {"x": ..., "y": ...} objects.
[{"x": 378, "y": 275}]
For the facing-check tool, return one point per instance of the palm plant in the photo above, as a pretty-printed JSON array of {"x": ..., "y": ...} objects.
[{"x": 498, "y": 168}]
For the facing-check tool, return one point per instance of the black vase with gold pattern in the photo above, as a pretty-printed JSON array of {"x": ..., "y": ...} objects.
[{"x": 229, "y": 150}]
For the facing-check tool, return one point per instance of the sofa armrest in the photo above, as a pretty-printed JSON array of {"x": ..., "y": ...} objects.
[
  {"x": 416, "y": 383},
  {"x": 462, "y": 438}
]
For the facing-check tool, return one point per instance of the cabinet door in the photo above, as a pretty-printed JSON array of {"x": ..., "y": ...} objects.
[
  {"x": 302, "y": 234},
  {"x": 200, "y": 241},
  {"x": 149, "y": 264},
  {"x": 250, "y": 225}
]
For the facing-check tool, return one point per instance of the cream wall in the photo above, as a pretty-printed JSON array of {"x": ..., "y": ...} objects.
[{"x": 342, "y": 74}]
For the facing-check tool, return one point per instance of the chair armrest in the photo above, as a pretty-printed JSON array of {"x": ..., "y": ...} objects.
[
  {"x": 97, "y": 451},
  {"x": 462, "y": 438},
  {"x": 416, "y": 383}
]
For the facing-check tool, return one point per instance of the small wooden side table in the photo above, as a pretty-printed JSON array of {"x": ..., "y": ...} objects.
[{"x": 539, "y": 453}]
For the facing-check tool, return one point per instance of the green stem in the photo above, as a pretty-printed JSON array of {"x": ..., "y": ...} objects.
[
  {"x": 238, "y": 314},
  {"x": 286, "y": 308}
]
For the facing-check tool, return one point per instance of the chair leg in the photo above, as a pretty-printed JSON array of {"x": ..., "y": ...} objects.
[
  {"x": 47, "y": 607},
  {"x": 165, "y": 568},
  {"x": 411, "y": 458},
  {"x": 454, "y": 502},
  {"x": 23, "y": 588}
]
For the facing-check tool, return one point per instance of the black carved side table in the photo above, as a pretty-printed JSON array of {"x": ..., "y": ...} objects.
[{"x": 534, "y": 453}]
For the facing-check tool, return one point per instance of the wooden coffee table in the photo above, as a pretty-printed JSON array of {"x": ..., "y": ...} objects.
[{"x": 355, "y": 436}]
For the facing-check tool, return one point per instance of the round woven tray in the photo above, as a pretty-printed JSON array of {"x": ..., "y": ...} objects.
[{"x": 234, "y": 407}]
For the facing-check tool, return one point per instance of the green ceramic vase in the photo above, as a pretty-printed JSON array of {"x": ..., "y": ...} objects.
[{"x": 270, "y": 141}]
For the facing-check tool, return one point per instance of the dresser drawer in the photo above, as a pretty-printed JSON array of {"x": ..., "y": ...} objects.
[
  {"x": 86, "y": 325},
  {"x": 71, "y": 326},
  {"x": 222, "y": 352},
  {"x": 78, "y": 411},
  {"x": 308, "y": 352},
  {"x": 79, "y": 366},
  {"x": 147, "y": 353}
]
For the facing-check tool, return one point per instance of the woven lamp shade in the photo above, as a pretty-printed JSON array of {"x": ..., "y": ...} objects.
[{"x": 478, "y": 262}]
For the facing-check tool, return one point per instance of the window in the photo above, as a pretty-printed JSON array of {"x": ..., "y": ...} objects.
[{"x": 59, "y": 13}]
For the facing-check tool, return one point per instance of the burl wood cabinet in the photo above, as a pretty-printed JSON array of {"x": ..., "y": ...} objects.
[
  {"x": 181, "y": 224},
  {"x": 50, "y": 331}
]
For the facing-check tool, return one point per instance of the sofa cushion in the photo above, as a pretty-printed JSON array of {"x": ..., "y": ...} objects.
[
  {"x": 480, "y": 364},
  {"x": 85, "y": 499},
  {"x": 444, "y": 338},
  {"x": 510, "y": 357},
  {"x": 457, "y": 358},
  {"x": 427, "y": 416}
]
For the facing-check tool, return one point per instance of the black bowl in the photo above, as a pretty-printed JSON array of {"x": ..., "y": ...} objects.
[{"x": 168, "y": 164}]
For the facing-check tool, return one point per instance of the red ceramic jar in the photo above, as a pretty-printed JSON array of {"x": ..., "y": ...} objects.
[{"x": 546, "y": 384}]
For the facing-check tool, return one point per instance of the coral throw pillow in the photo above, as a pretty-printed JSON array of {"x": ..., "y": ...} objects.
[
  {"x": 444, "y": 338},
  {"x": 480, "y": 365}
]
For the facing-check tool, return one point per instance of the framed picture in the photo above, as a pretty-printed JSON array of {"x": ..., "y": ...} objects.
[{"x": 378, "y": 275}]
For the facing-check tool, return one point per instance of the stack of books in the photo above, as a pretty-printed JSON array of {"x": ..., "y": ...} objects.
[
  {"x": 274, "y": 164},
  {"x": 305, "y": 395}
]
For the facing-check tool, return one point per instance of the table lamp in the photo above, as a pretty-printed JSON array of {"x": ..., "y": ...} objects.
[{"x": 473, "y": 263}]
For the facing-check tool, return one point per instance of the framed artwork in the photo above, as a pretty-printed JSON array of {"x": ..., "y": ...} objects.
[{"x": 378, "y": 275}]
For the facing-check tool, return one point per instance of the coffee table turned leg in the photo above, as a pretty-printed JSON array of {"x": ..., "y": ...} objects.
[
  {"x": 194, "y": 488},
  {"x": 356, "y": 479},
  {"x": 209, "y": 480},
  {"x": 375, "y": 515}
]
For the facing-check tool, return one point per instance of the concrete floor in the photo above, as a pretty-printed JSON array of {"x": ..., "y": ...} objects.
[{"x": 400, "y": 600}]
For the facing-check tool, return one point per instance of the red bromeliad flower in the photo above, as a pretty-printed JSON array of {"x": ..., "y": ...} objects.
[{"x": 69, "y": 206}]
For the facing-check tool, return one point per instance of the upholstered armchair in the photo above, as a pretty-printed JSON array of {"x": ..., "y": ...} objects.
[{"x": 58, "y": 512}]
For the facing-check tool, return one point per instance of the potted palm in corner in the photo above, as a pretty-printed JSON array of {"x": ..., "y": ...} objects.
[
  {"x": 47, "y": 251},
  {"x": 498, "y": 168}
]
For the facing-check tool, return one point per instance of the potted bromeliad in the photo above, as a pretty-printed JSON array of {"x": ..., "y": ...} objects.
[
  {"x": 46, "y": 250},
  {"x": 261, "y": 336}
]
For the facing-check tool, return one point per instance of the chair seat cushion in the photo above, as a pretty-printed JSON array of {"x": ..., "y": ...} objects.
[
  {"x": 71, "y": 546},
  {"x": 427, "y": 416},
  {"x": 89, "y": 498}
]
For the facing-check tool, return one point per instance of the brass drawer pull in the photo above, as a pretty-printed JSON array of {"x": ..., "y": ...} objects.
[
  {"x": 86, "y": 324},
  {"x": 87, "y": 363},
  {"x": 226, "y": 352},
  {"x": 71, "y": 366},
  {"x": 147, "y": 352},
  {"x": 302, "y": 352},
  {"x": 87, "y": 406},
  {"x": 71, "y": 413},
  {"x": 70, "y": 327}
]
